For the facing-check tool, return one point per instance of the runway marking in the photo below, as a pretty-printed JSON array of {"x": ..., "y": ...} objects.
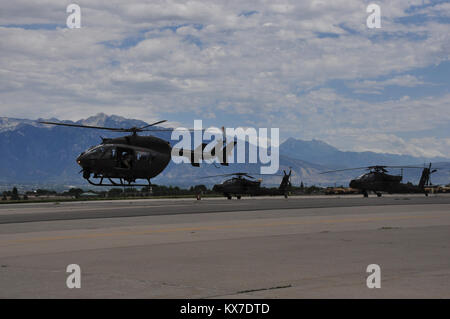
[{"x": 214, "y": 227}]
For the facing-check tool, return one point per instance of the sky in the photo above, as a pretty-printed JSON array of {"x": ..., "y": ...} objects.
[{"x": 311, "y": 68}]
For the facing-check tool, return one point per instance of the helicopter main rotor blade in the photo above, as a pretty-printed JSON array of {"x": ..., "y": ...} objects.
[
  {"x": 86, "y": 126},
  {"x": 115, "y": 129},
  {"x": 119, "y": 129},
  {"x": 345, "y": 169},
  {"x": 153, "y": 124},
  {"x": 157, "y": 130},
  {"x": 243, "y": 174},
  {"x": 212, "y": 176},
  {"x": 401, "y": 166},
  {"x": 370, "y": 167},
  {"x": 169, "y": 130},
  {"x": 230, "y": 174}
]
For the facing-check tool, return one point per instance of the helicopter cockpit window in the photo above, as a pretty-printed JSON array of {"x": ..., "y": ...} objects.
[
  {"x": 366, "y": 177},
  {"x": 109, "y": 153},
  {"x": 98, "y": 150}
]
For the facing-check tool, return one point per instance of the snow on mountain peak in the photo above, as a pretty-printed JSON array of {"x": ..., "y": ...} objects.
[
  {"x": 10, "y": 124},
  {"x": 97, "y": 120}
]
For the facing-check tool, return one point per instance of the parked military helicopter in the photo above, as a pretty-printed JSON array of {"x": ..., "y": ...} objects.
[
  {"x": 238, "y": 185},
  {"x": 133, "y": 157},
  {"x": 377, "y": 180}
]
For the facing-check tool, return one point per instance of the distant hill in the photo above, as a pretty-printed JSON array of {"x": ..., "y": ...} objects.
[
  {"x": 319, "y": 152},
  {"x": 36, "y": 154}
]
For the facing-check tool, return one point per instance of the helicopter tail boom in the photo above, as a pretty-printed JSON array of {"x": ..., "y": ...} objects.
[{"x": 199, "y": 153}]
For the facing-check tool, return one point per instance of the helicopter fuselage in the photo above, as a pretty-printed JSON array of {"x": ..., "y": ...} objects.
[
  {"x": 238, "y": 186},
  {"x": 376, "y": 181},
  {"x": 382, "y": 182},
  {"x": 129, "y": 158}
]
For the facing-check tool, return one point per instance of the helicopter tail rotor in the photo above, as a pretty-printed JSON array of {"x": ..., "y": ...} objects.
[
  {"x": 227, "y": 148},
  {"x": 286, "y": 181},
  {"x": 425, "y": 179}
]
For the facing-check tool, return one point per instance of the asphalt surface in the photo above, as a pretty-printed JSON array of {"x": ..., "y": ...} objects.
[
  {"x": 302, "y": 247},
  {"x": 21, "y": 213}
]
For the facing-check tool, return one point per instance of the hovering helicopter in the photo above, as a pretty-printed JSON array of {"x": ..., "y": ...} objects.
[
  {"x": 378, "y": 180},
  {"x": 238, "y": 185},
  {"x": 132, "y": 157}
]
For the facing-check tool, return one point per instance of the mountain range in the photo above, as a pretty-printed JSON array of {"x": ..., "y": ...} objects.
[{"x": 42, "y": 155}]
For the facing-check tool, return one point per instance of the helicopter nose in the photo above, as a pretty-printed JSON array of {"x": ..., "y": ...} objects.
[
  {"x": 81, "y": 160},
  {"x": 353, "y": 184}
]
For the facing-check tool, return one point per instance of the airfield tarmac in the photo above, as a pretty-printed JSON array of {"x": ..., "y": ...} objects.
[{"x": 262, "y": 247}]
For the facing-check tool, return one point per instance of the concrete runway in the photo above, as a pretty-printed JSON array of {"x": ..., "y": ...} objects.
[{"x": 302, "y": 247}]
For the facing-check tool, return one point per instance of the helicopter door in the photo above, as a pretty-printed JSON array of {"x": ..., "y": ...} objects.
[
  {"x": 109, "y": 156},
  {"x": 142, "y": 160},
  {"x": 125, "y": 158}
]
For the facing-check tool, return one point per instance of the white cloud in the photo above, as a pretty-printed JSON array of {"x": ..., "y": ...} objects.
[
  {"x": 376, "y": 87},
  {"x": 425, "y": 147},
  {"x": 206, "y": 58}
]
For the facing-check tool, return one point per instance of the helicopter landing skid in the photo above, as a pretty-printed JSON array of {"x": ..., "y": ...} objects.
[{"x": 113, "y": 183}]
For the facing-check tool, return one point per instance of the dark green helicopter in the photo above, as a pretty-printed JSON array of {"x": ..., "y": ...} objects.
[
  {"x": 244, "y": 184},
  {"x": 133, "y": 157},
  {"x": 378, "y": 180}
]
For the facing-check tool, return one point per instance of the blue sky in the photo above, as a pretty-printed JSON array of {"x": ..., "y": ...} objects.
[{"x": 311, "y": 68}]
